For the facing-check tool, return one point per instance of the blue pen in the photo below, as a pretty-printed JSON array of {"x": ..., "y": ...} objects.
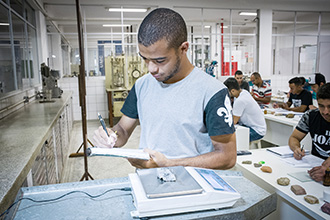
[{"x": 102, "y": 123}]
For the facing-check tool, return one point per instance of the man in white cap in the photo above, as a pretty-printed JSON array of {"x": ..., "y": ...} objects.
[{"x": 316, "y": 81}]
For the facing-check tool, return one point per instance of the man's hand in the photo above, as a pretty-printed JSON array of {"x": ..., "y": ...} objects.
[
  {"x": 102, "y": 139},
  {"x": 157, "y": 159},
  {"x": 284, "y": 106},
  {"x": 298, "y": 154},
  {"x": 317, "y": 173}
]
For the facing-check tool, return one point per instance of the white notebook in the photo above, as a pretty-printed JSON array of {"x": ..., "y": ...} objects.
[
  {"x": 118, "y": 152},
  {"x": 283, "y": 151}
]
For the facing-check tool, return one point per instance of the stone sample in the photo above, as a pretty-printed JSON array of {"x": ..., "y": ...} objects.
[
  {"x": 283, "y": 181},
  {"x": 311, "y": 199},
  {"x": 290, "y": 115},
  {"x": 326, "y": 208},
  {"x": 247, "y": 162},
  {"x": 266, "y": 169},
  {"x": 257, "y": 165},
  {"x": 298, "y": 190}
]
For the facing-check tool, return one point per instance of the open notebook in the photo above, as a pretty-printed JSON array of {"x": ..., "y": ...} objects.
[{"x": 283, "y": 151}]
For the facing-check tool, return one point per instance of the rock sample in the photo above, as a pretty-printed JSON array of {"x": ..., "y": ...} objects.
[
  {"x": 247, "y": 162},
  {"x": 298, "y": 190},
  {"x": 311, "y": 199},
  {"x": 266, "y": 169},
  {"x": 283, "y": 181},
  {"x": 257, "y": 165},
  {"x": 290, "y": 115},
  {"x": 326, "y": 208}
]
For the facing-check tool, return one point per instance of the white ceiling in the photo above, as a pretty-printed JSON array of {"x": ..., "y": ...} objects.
[{"x": 62, "y": 13}]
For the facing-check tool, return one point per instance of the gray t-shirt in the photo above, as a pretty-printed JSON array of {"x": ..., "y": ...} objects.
[{"x": 177, "y": 119}]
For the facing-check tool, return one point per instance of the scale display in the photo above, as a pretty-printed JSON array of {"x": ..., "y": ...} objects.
[{"x": 215, "y": 180}]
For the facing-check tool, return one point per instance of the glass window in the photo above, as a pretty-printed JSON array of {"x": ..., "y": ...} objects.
[
  {"x": 244, "y": 24},
  {"x": 283, "y": 55},
  {"x": 7, "y": 82},
  {"x": 222, "y": 36},
  {"x": 306, "y": 49},
  {"x": 20, "y": 50},
  {"x": 296, "y": 41},
  {"x": 307, "y": 23},
  {"x": 32, "y": 57},
  {"x": 29, "y": 13},
  {"x": 17, "y": 6},
  {"x": 283, "y": 22}
]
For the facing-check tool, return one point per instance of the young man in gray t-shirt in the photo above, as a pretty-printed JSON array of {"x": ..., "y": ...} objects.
[{"x": 185, "y": 115}]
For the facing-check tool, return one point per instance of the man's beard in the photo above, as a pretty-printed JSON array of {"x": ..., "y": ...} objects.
[{"x": 175, "y": 70}]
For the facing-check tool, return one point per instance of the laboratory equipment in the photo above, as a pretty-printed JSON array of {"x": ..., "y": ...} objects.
[
  {"x": 50, "y": 87},
  {"x": 194, "y": 189}
]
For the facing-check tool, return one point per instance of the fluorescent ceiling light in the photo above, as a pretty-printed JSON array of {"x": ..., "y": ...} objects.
[
  {"x": 248, "y": 13},
  {"x": 128, "y": 9},
  {"x": 53, "y": 56},
  {"x": 116, "y": 25},
  {"x": 4, "y": 24},
  {"x": 207, "y": 26}
]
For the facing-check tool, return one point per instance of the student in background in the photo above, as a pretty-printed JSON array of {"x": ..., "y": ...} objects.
[
  {"x": 299, "y": 97},
  {"x": 246, "y": 110},
  {"x": 261, "y": 91},
  {"x": 317, "y": 123},
  {"x": 316, "y": 81},
  {"x": 241, "y": 82}
]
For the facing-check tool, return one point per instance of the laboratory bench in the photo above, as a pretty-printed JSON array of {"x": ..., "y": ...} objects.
[
  {"x": 280, "y": 128},
  {"x": 34, "y": 141},
  {"x": 70, "y": 201},
  {"x": 289, "y": 205}
]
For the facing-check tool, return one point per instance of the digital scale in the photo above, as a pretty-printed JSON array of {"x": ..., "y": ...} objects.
[{"x": 188, "y": 189}]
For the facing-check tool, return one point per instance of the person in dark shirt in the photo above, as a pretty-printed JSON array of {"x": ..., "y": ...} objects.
[
  {"x": 317, "y": 123},
  {"x": 299, "y": 97},
  {"x": 241, "y": 82}
]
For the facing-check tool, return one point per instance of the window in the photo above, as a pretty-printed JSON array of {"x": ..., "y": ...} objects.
[
  {"x": 300, "y": 42},
  {"x": 18, "y": 48},
  {"x": 224, "y": 36}
]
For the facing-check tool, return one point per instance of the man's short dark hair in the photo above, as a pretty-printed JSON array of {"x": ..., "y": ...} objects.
[
  {"x": 296, "y": 80},
  {"x": 324, "y": 92},
  {"x": 238, "y": 72},
  {"x": 256, "y": 75},
  {"x": 163, "y": 23},
  {"x": 303, "y": 80},
  {"x": 231, "y": 83}
]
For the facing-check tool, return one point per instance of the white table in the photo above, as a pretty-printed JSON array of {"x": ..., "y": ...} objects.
[
  {"x": 289, "y": 205},
  {"x": 280, "y": 128}
]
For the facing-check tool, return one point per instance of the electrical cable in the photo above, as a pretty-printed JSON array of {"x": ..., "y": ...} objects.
[{"x": 62, "y": 196}]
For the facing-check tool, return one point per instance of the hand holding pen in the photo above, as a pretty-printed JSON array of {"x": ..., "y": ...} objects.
[
  {"x": 299, "y": 153},
  {"x": 103, "y": 136}
]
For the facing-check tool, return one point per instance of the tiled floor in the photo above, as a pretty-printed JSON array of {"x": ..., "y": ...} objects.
[{"x": 98, "y": 167}]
